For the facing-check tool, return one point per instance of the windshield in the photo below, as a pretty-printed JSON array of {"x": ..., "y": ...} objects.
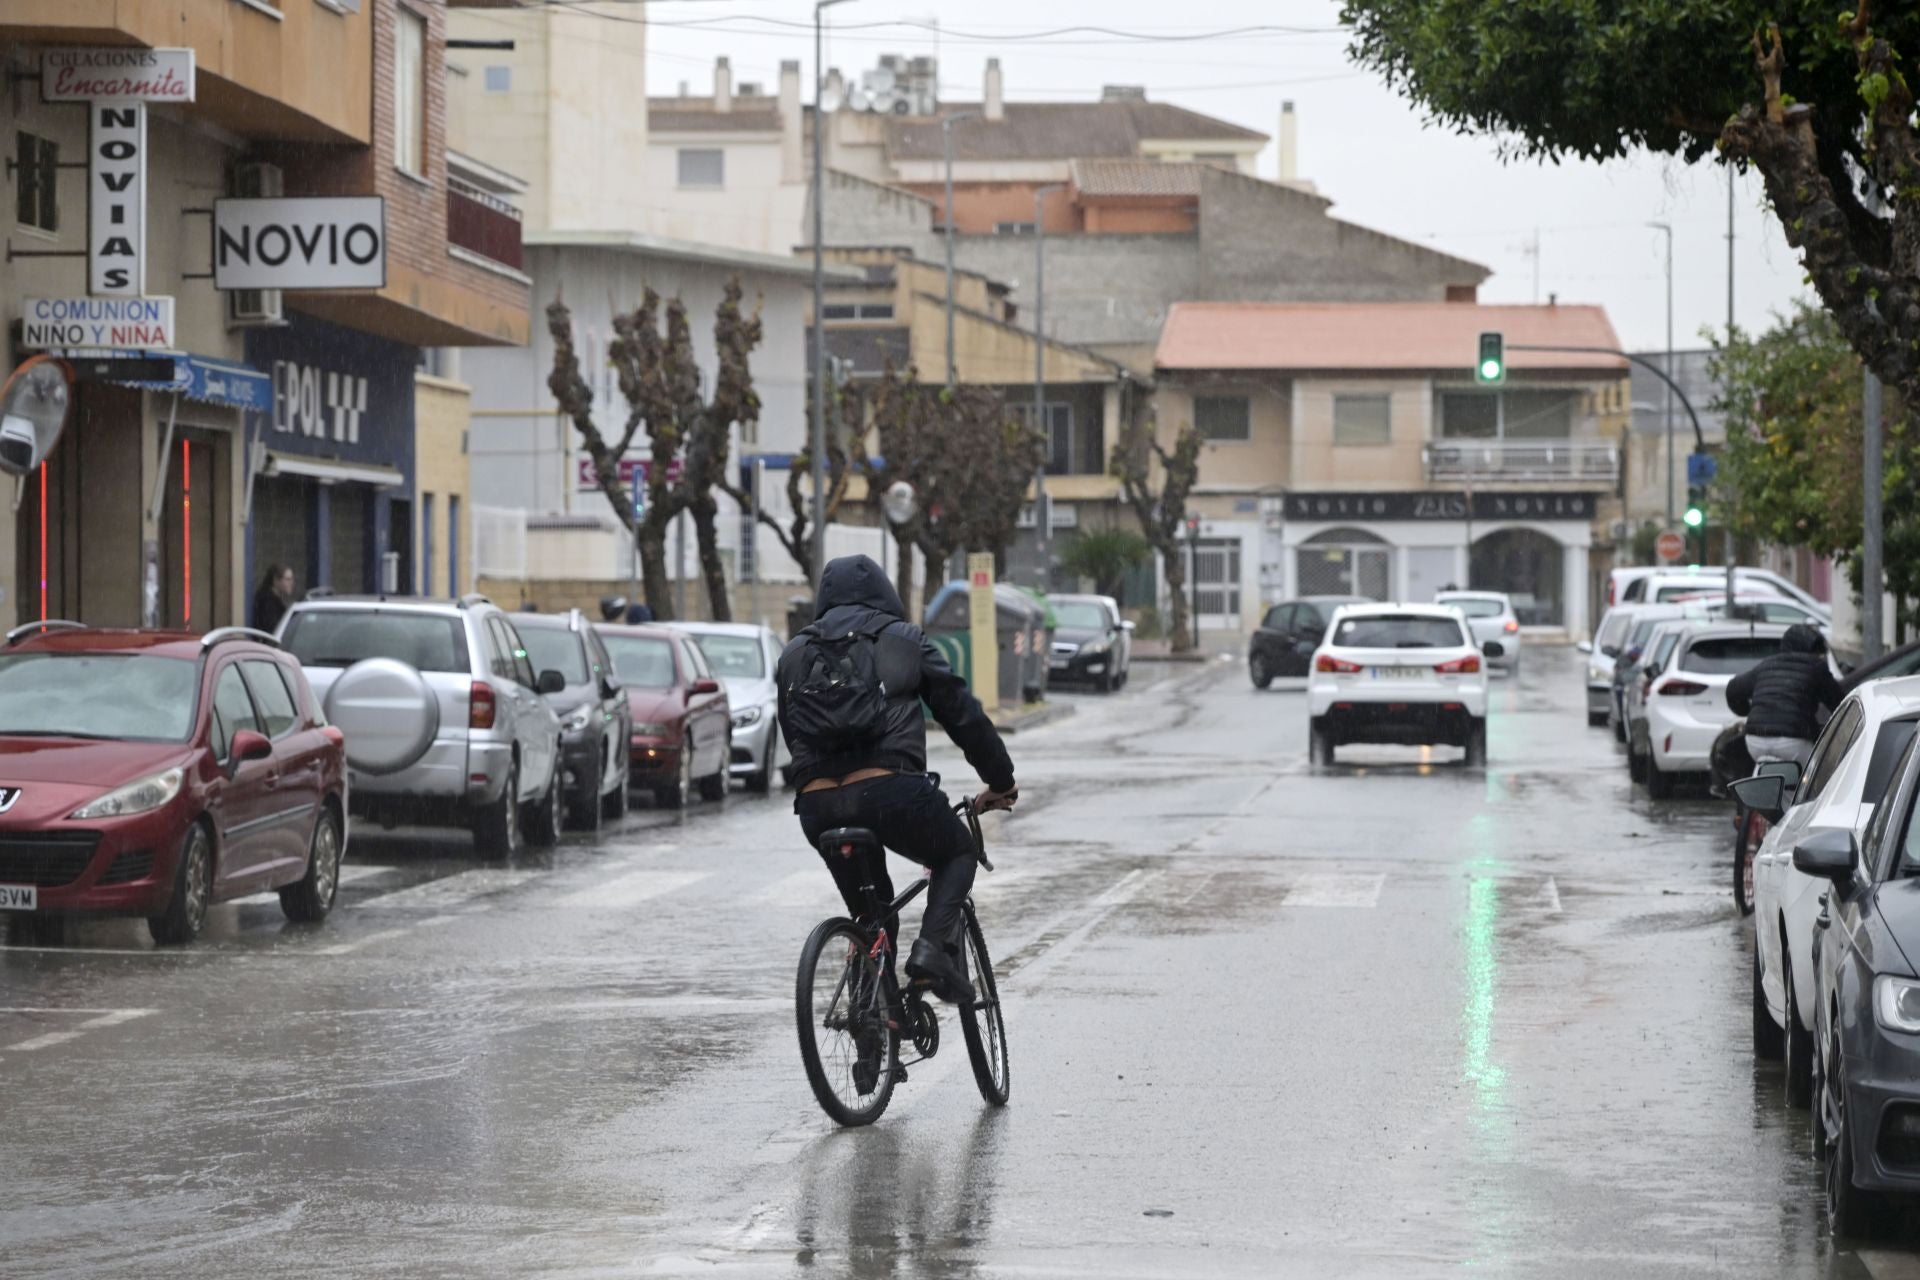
[
  {"x": 1641, "y": 630},
  {"x": 549, "y": 649},
  {"x": 97, "y": 695},
  {"x": 1399, "y": 631},
  {"x": 1612, "y": 627},
  {"x": 342, "y": 637},
  {"x": 642, "y": 661},
  {"x": 1887, "y": 750},
  {"x": 1663, "y": 651},
  {"x": 1674, "y": 590},
  {"x": 1081, "y": 615},
  {"x": 1475, "y": 608},
  {"x": 1728, "y": 655},
  {"x": 738, "y": 657}
]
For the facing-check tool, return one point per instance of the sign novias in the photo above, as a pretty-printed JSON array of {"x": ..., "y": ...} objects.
[
  {"x": 334, "y": 242},
  {"x": 117, "y": 199},
  {"x": 144, "y": 324},
  {"x": 127, "y": 75}
]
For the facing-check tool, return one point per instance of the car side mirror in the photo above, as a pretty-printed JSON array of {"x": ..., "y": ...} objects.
[
  {"x": 1789, "y": 770},
  {"x": 1585, "y": 646},
  {"x": 1763, "y": 793},
  {"x": 1827, "y": 855},
  {"x": 1494, "y": 649},
  {"x": 608, "y": 687},
  {"x": 551, "y": 681},
  {"x": 708, "y": 685},
  {"x": 246, "y": 746},
  {"x": 1126, "y": 624}
]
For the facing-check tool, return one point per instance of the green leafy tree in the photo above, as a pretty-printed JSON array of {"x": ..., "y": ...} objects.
[
  {"x": 1105, "y": 555},
  {"x": 1817, "y": 101}
]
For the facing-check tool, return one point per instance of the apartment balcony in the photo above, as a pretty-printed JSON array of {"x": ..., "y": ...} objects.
[
  {"x": 1491, "y": 463},
  {"x": 483, "y": 224}
]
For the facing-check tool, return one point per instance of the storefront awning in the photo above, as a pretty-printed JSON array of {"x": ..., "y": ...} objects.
[
  {"x": 327, "y": 471},
  {"x": 205, "y": 378}
]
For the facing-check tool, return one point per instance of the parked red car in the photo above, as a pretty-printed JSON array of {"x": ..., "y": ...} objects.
[
  {"x": 153, "y": 773},
  {"x": 682, "y": 728}
]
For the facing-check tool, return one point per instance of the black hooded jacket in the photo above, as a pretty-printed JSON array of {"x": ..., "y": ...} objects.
[
  {"x": 1780, "y": 695},
  {"x": 856, "y": 596}
]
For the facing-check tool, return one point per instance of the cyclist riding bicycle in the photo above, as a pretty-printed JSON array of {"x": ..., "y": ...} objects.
[{"x": 851, "y": 690}]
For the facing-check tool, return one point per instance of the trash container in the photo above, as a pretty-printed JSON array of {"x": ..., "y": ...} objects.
[{"x": 1020, "y": 628}]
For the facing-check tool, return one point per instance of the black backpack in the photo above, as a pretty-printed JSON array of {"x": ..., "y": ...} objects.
[{"x": 838, "y": 702}]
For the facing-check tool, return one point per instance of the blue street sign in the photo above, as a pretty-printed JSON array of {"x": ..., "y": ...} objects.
[
  {"x": 1701, "y": 469},
  {"x": 639, "y": 494}
]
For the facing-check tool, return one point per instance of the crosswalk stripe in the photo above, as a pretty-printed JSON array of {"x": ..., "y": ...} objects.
[
  {"x": 633, "y": 888},
  {"x": 451, "y": 890},
  {"x": 109, "y": 1018},
  {"x": 1334, "y": 889}
]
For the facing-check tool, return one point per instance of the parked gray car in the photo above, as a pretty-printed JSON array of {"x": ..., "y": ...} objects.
[
  {"x": 595, "y": 720},
  {"x": 442, "y": 712},
  {"x": 741, "y": 655}
]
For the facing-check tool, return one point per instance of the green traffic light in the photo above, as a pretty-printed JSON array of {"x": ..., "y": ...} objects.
[
  {"x": 1695, "y": 517},
  {"x": 1489, "y": 370}
]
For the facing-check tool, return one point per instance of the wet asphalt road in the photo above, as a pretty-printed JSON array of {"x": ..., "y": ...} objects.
[{"x": 1388, "y": 1019}]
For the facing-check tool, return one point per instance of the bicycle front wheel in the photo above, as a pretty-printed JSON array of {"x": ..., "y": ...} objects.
[
  {"x": 982, "y": 1023},
  {"x": 847, "y": 1041}
]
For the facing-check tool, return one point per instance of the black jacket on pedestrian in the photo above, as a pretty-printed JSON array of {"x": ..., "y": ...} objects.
[
  {"x": 856, "y": 596},
  {"x": 1781, "y": 694},
  {"x": 268, "y": 609}
]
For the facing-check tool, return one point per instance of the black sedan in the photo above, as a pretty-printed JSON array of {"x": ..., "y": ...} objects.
[
  {"x": 594, "y": 717},
  {"x": 1866, "y": 1060},
  {"x": 1092, "y": 643},
  {"x": 1284, "y": 643}
]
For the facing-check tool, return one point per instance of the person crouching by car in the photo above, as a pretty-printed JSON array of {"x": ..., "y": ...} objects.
[{"x": 1782, "y": 697}]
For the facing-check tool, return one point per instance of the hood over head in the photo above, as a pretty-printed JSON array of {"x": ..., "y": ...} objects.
[
  {"x": 1802, "y": 638},
  {"x": 857, "y": 580}
]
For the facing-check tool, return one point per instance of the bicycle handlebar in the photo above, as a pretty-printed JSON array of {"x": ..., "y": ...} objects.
[{"x": 967, "y": 810}]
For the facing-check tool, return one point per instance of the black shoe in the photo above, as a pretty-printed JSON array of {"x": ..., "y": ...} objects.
[
  {"x": 935, "y": 964},
  {"x": 866, "y": 1066}
]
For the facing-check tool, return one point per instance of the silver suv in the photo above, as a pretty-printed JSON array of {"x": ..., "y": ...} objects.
[{"x": 442, "y": 713}]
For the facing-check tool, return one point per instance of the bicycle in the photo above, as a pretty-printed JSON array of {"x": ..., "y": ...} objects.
[{"x": 852, "y": 1013}]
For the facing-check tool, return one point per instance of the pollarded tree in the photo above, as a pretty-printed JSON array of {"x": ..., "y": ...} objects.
[
  {"x": 1139, "y": 462},
  {"x": 1816, "y": 100}
]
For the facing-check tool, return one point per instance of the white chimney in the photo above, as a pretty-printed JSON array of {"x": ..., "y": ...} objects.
[
  {"x": 791, "y": 143},
  {"x": 1289, "y": 144},
  {"x": 722, "y": 85},
  {"x": 995, "y": 103}
]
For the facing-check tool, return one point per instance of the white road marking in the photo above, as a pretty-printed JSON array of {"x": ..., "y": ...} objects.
[
  {"x": 102, "y": 1018},
  {"x": 633, "y": 888},
  {"x": 383, "y": 935},
  {"x": 348, "y": 875},
  {"x": 449, "y": 891},
  {"x": 1334, "y": 889},
  {"x": 809, "y": 888},
  {"x": 1552, "y": 900}
]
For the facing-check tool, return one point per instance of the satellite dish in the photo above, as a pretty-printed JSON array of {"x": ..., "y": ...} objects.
[
  {"x": 859, "y": 100},
  {"x": 881, "y": 80},
  {"x": 900, "y": 502},
  {"x": 829, "y": 101}
]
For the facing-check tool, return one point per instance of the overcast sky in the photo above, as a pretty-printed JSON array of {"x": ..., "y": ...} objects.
[{"x": 1365, "y": 147}]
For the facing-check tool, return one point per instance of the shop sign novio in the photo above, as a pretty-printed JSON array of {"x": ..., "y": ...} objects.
[{"x": 141, "y": 323}]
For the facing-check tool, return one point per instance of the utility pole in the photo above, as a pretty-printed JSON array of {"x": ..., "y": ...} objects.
[
  {"x": 1671, "y": 461},
  {"x": 1042, "y": 509},
  {"x": 1872, "y": 574},
  {"x": 946, "y": 136},
  {"x": 819, "y": 437},
  {"x": 1727, "y": 515}
]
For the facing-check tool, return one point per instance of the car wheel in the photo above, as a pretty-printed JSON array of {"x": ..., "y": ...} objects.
[
  {"x": 496, "y": 828},
  {"x": 1258, "y": 669},
  {"x": 1799, "y": 1042},
  {"x": 676, "y": 795},
  {"x": 310, "y": 898},
  {"x": 1817, "y": 1122},
  {"x": 1619, "y": 728},
  {"x": 186, "y": 912},
  {"x": 1769, "y": 1042},
  {"x": 543, "y": 823},
  {"x": 1850, "y": 1211},
  {"x": 1660, "y": 783},
  {"x": 1746, "y": 847},
  {"x": 1320, "y": 741},
  {"x": 1477, "y": 746},
  {"x": 1636, "y": 763},
  {"x": 760, "y": 781},
  {"x": 583, "y": 811},
  {"x": 1596, "y": 719},
  {"x": 714, "y": 787},
  {"x": 614, "y": 803}
]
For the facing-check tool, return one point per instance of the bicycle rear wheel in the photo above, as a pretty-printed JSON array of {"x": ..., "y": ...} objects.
[
  {"x": 840, "y": 1006},
  {"x": 981, "y": 1021}
]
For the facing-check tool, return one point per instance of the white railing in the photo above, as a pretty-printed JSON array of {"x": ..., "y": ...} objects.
[{"x": 1522, "y": 461}]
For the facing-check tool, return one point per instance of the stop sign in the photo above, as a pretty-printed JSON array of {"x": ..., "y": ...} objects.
[{"x": 1670, "y": 546}]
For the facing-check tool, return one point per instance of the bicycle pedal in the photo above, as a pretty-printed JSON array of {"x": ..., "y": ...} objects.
[{"x": 899, "y": 1075}]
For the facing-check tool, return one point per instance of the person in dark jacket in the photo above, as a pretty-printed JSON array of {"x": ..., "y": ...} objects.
[
  {"x": 1782, "y": 697},
  {"x": 883, "y": 785},
  {"x": 271, "y": 600}
]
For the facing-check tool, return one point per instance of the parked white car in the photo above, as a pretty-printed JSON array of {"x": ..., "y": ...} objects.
[
  {"x": 1490, "y": 616},
  {"x": 1653, "y": 585},
  {"x": 1844, "y": 779},
  {"x": 1687, "y": 704},
  {"x": 1656, "y": 654},
  {"x": 1399, "y": 673},
  {"x": 742, "y": 657}
]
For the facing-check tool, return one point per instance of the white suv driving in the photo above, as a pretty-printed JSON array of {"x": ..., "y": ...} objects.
[
  {"x": 442, "y": 712},
  {"x": 1399, "y": 673}
]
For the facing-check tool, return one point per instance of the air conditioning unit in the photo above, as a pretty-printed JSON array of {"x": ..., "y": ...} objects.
[
  {"x": 254, "y": 308},
  {"x": 257, "y": 180}
]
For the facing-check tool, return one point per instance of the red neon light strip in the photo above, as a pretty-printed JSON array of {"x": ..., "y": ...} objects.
[
  {"x": 186, "y": 533},
  {"x": 43, "y": 537}
]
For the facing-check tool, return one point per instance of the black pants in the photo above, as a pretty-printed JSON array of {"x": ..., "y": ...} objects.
[{"x": 911, "y": 817}]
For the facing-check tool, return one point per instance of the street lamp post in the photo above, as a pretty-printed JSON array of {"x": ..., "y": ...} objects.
[
  {"x": 946, "y": 137},
  {"x": 1671, "y": 505},
  {"x": 1043, "y": 514},
  {"x": 819, "y": 437}
]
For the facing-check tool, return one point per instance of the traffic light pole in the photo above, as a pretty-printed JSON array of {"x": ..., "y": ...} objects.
[{"x": 1699, "y": 436}]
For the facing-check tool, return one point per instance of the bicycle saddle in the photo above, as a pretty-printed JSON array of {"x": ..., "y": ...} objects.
[{"x": 848, "y": 842}]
